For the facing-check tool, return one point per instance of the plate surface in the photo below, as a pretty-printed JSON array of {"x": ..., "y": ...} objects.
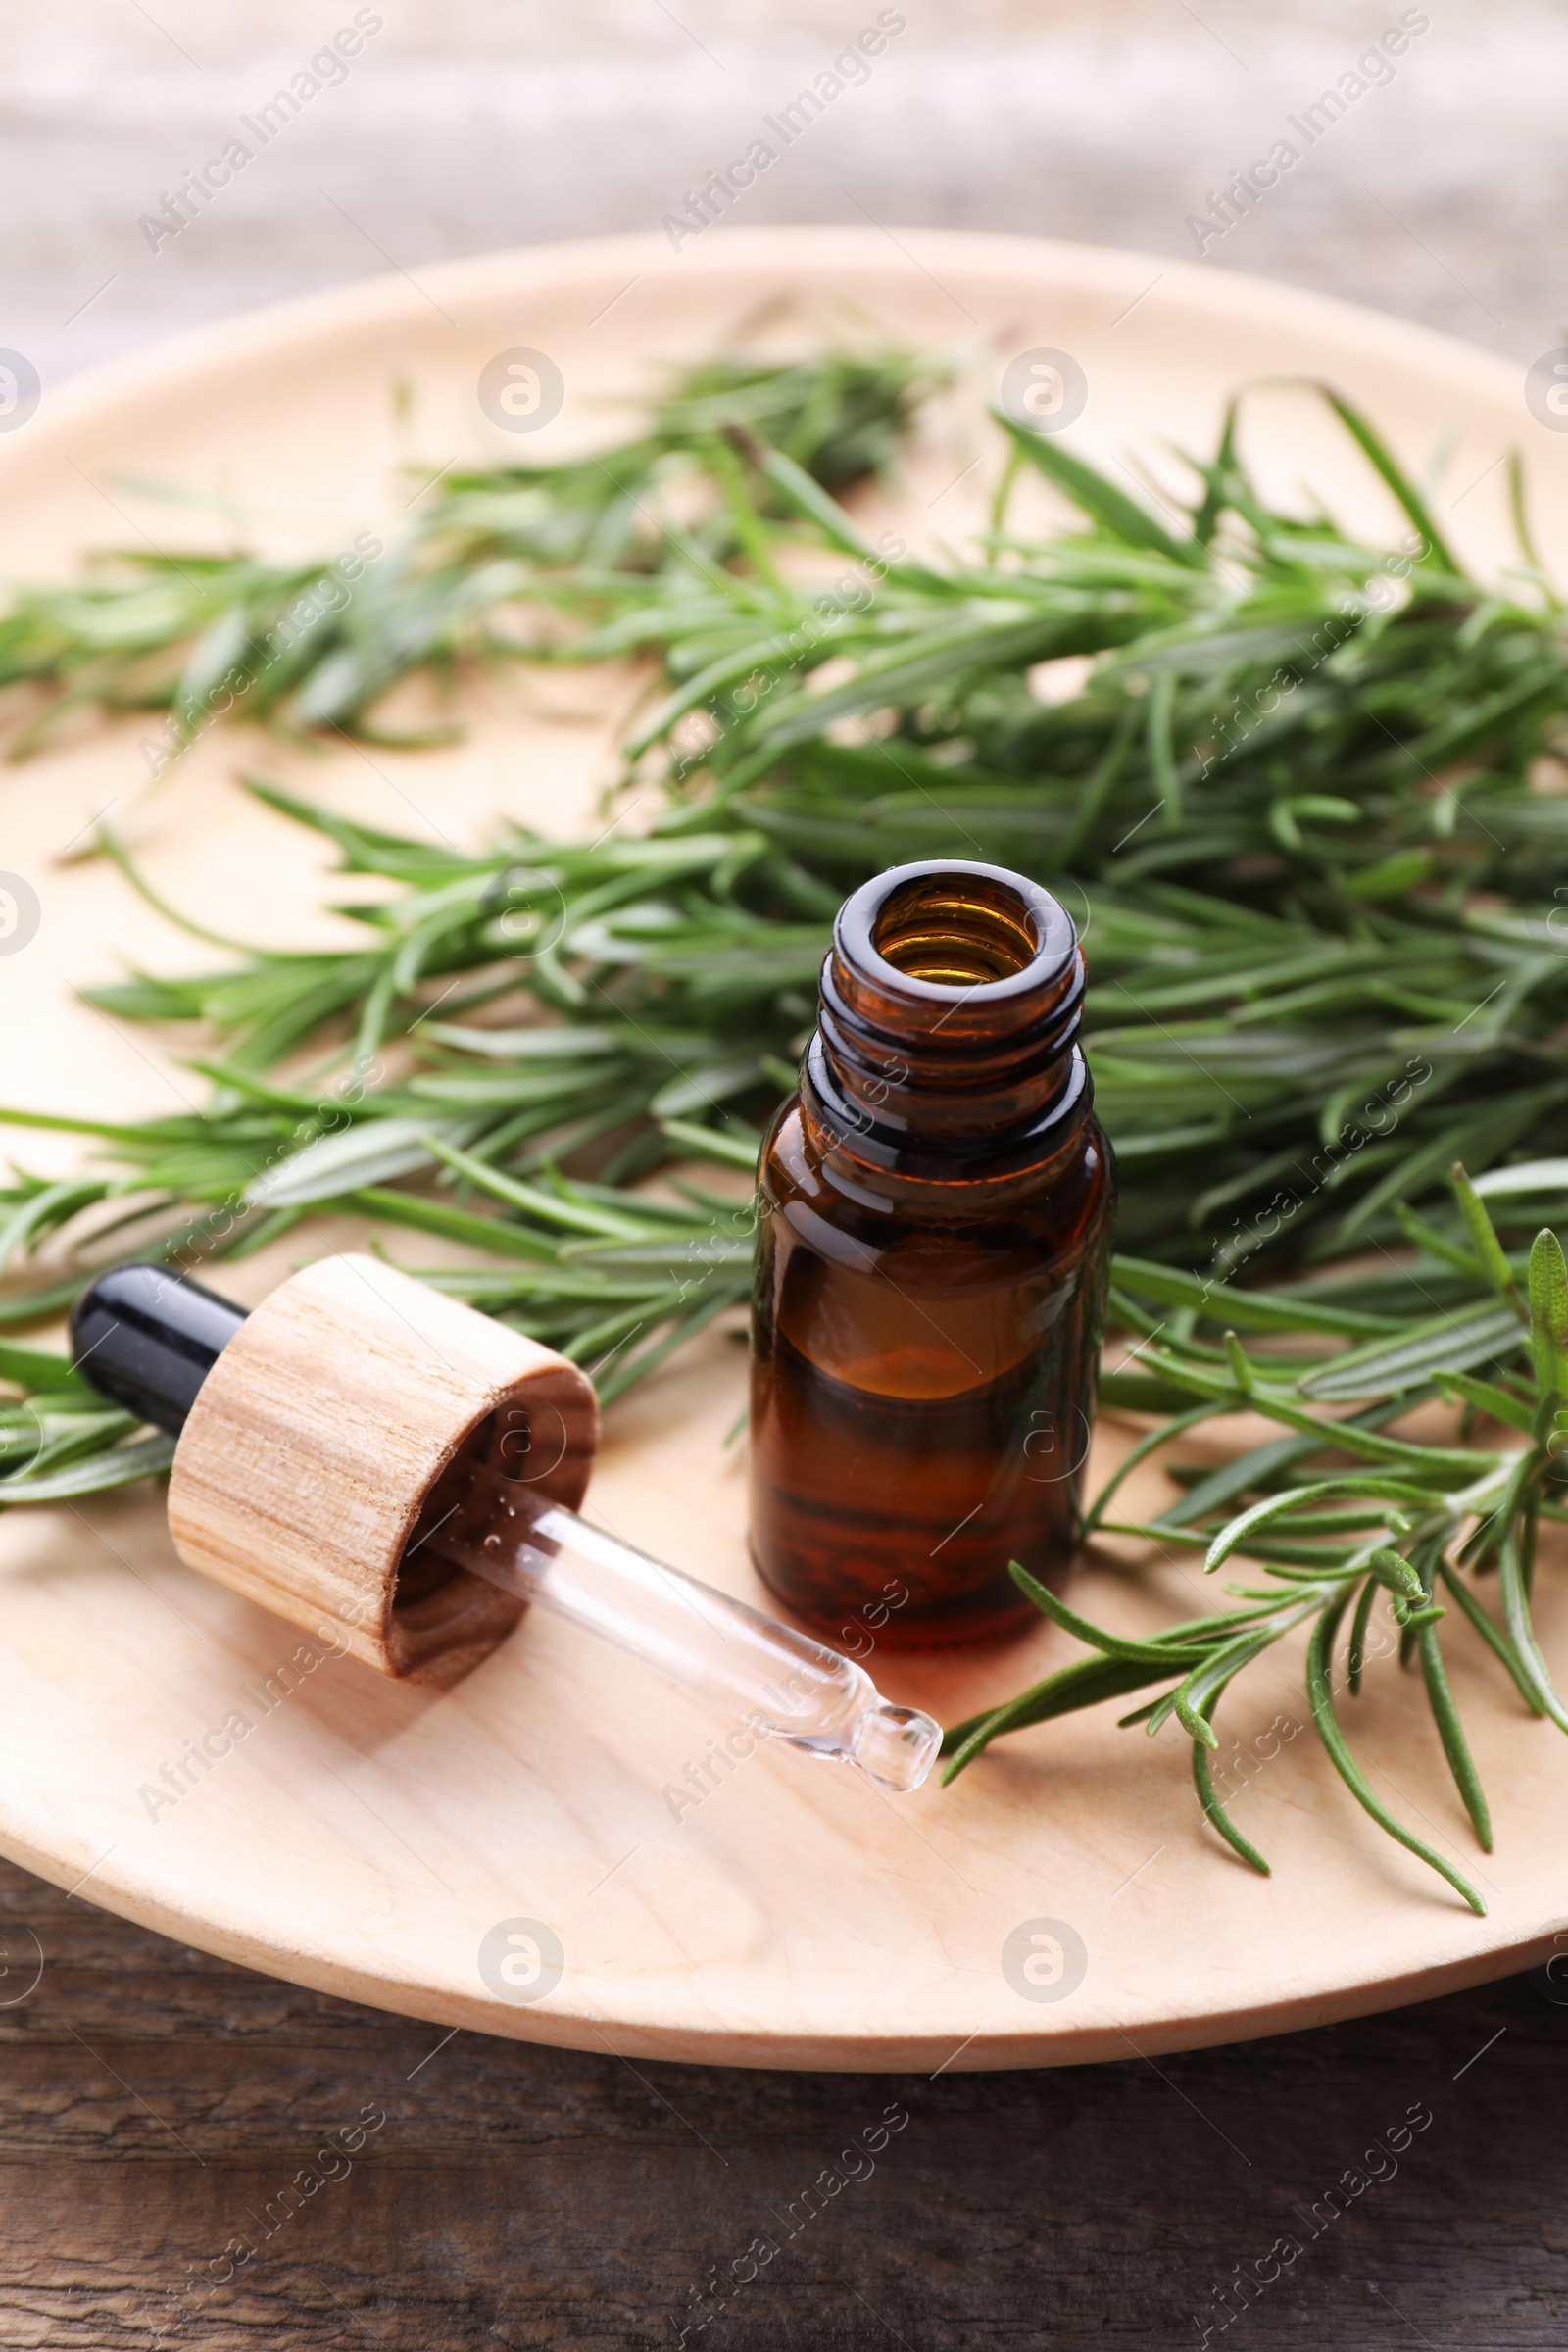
[{"x": 364, "y": 1838}]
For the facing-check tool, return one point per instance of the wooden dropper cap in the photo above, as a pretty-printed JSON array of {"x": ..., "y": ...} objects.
[{"x": 307, "y": 1448}]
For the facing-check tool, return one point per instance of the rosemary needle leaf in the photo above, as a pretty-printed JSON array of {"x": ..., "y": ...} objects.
[
  {"x": 1204, "y": 1783},
  {"x": 1549, "y": 1314},
  {"x": 1500, "y": 1404},
  {"x": 1454, "y": 1745},
  {"x": 1113, "y": 1646},
  {"x": 1356, "y": 1656},
  {"x": 1275, "y": 1507},
  {"x": 1482, "y": 1233},
  {"x": 1083, "y": 1684},
  {"x": 1522, "y": 1632},
  {"x": 1496, "y": 1640},
  {"x": 1320, "y": 1699}
]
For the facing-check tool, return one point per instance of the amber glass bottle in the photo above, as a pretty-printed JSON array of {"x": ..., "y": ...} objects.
[{"x": 934, "y": 1219}]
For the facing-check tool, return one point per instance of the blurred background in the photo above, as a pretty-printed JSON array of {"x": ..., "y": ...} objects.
[{"x": 461, "y": 125}]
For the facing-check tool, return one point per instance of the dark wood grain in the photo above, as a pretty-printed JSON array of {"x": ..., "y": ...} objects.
[{"x": 158, "y": 2104}]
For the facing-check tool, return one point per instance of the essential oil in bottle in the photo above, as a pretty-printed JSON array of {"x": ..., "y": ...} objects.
[{"x": 934, "y": 1220}]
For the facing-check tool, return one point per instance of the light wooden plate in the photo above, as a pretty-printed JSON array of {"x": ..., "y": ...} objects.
[{"x": 366, "y": 1839}]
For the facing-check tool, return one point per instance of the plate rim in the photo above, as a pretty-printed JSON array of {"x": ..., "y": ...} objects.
[{"x": 347, "y": 309}]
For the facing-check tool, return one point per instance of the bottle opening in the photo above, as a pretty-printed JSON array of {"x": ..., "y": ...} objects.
[
  {"x": 949, "y": 1003},
  {"x": 956, "y": 930}
]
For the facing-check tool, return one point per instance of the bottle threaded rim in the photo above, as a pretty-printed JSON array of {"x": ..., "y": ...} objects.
[
  {"x": 950, "y": 1001},
  {"x": 952, "y": 945}
]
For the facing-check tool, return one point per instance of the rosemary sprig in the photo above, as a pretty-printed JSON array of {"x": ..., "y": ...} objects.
[
  {"x": 319, "y": 646},
  {"x": 1402, "y": 1516},
  {"x": 612, "y": 1279}
]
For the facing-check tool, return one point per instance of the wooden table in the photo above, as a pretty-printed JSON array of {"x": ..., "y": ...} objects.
[{"x": 158, "y": 2104}]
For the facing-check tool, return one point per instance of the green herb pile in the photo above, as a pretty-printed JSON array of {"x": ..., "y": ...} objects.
[{"x": 1299, "y": 792}]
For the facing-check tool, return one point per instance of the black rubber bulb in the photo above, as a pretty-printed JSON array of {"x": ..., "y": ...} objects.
[{"x": 147, "y": 1338}]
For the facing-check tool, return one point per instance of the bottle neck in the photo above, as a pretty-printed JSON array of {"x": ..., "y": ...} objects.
[{"x": 951, "y": 1005}]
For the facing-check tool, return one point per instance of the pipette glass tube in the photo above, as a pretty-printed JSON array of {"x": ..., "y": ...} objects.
[{"x": 779, "y": 1683}]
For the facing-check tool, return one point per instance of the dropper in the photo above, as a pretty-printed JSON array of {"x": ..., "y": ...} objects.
[{"x": 146, "y": 1338}]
